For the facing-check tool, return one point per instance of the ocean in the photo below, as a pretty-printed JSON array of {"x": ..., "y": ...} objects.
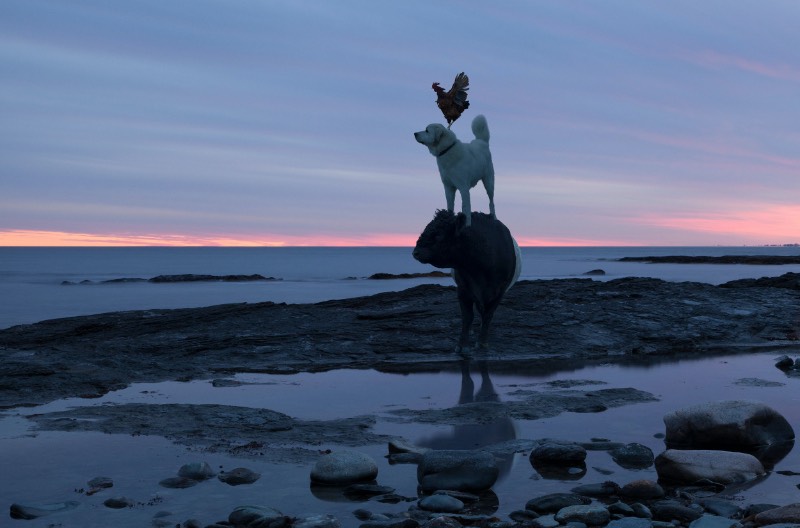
[{"x": 46, "y": 283}]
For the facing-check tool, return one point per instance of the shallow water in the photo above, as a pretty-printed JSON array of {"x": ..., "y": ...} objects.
[{"x": 47, "y": 467}]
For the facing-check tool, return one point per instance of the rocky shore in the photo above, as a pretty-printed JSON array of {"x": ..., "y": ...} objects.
[{"x": 553, "y": 324}]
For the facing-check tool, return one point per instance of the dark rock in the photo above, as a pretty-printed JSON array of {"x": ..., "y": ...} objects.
[
  {"x": 630, "y": 522},
  {"x": 316, "y": 521},
  {"x": 239, "y": 476},
  {"x": 595, "y": 272},
  {"x": 602, "y": 489},
  {"x": 789, "y": 281},
  {"x": 391, "y": 523},
  {"x": 642, "y": 490},
  {"x": 714, "y": 521},
  {"x": 365, "y": 491},
  {"x": 784, "y": 363},
  {"x": 785, "y": 514},
  {"x": 441, "y": 503},
  {"x": 670, "y": 510},
  {"x": 553, "y": 502},
  {"x": 209, "y": 278},
  {"x": 745, "y": 426},
  {"x": 457, "y": 470},
  {"x": 720, "y": 507},
  {"x": 633, "y": 456},
  {"x": 118, "y": 503},
  {"x": 258, "y": 517},
  {"x": 558, "y": 453},
  {"x": 100, "y": 483},
  {"x": 760, "y": 260}
]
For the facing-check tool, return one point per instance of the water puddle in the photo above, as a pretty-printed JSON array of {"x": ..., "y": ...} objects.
[{"x": 54, "y": 466}]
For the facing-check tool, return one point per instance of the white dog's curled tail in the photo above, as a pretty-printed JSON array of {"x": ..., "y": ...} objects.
[{"x": 480, "y": 128}]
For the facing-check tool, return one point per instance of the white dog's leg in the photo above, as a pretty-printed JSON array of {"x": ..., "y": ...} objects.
[
  {"x": 450, "y": 196},
  {"x": 489, "y": 186},
  {"x": 466, "y": 206}
]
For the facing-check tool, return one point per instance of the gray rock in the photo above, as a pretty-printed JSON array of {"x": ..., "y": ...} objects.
[
  {"x": 784, "y": 363},
  {"x": 720, "y": 507},
  {"x": 714, "y": 521},
  {"x": 118, "y": 503},
  {"x": 196, "y": 471},
  {"x": 670, "y": 510},
  {"x": 785, "y": 514},
  {"x": 546, "y": 521},
  {"x": 457, "y": 470},
  {"x": 727, "y": 425},
  {"x": 620, "y": 508},
  {"x": 441, "y": 503},
  {"x": 723, "y": 467},
  {"x": 258, "y": 517},
  {"x": 640, "y": 510},
  {"x": 553, "y": 502},
  {"x": 633, "y": 456},
  {"x": 597, "y": 490},
  {"x": 34, "y": 511},
  {"x": 591, "y": 514},
  {"x": 239, "y": 476},
  {"x": 630, "y": 522},
  {"x": 340, "y": 468},
  {"x": 558, "y": 453},
  {"x": 390, "y": 523},
  {"x": 100, "y": 483},
  {"x": 317, "y": 521},
  {"x": 642, "y": 490}
]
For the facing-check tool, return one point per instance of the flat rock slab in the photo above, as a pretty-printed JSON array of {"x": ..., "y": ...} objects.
[
  {"x": 723, "y": 467},
  {"x": 553, "y": 324}
]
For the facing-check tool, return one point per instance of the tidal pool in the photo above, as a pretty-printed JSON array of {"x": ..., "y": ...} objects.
[{"x": 45, "y": 467}]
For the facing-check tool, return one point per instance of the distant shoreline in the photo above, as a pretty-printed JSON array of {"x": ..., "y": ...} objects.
[{"x": 755, "y": 260}]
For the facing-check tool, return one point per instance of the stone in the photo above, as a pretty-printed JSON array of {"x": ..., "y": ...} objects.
[
  {"x": 722, "y": 467},
  {"x": 258, "y": 517},
  {"x": 317, "y": 521},
  {"x": 670, "y": 510},
  {"x": 642, "y": 490},
  {"x": 100, "y": 483},
  {"x": 546, "y": 521},
  {"x": 714, "y": 521},
  {"x": 640, "y": 510},
  {"x": 591, "y": 514},
  {"x": 720, "y": 507},
  {"x": 118, "y": 503},
  {"x": 734, "y": 425},
  {"x": 441, "y": 503},
  {"x": 785, "y": 514},
  {"x": 630, "y": 522},
  {"x": 558, "y": 453},
  {"x": 341, "y": 468},
  {"x": 597, "y": 490},
  {"x": 239, "y": 476},
  {"x": 553, "y": 502},
  {"x": 391, "y": 523},
  {"x": 457, "y": 470},
  {"x": 196, "y": 471},
  {"x": 633, "y": 456},
  {"x": 784, "y": 363}
]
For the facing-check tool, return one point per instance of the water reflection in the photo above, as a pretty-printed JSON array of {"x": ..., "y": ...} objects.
[{"x": 476, "y": 435}]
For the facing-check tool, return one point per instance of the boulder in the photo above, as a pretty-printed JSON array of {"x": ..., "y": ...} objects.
[
  {"x": 341, "y": 468},
  {"x": 723, "y": 467},
  {"x": 591, "y": 514},
  {"x": 258, "y": 517},
  {"x": 745, "y": 426},
  {"x": 785, "y": 514},
  {"x": 714, "y": 521},
  {"x": 633, "y": 456},
  {"x": 457, "y": 470},
  {"x": 561, "y": 453}
]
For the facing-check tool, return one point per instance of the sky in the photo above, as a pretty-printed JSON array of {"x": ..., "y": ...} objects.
[{"x": 270, "y": 122}]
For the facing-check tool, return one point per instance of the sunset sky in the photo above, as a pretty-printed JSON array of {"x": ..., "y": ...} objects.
[{"x": 266, "y": 122}]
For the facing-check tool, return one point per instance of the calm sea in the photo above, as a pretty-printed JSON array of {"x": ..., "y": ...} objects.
[{"x": 32, "y": 279}]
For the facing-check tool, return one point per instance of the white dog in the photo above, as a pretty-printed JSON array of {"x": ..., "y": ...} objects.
[{"x": 461, "y": 165}]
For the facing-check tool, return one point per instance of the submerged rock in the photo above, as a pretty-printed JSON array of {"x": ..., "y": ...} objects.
[
  {"x": 457, "y": 470},
  {"x": 34, "y": 511},
  {"x": 239, "y": 476}
]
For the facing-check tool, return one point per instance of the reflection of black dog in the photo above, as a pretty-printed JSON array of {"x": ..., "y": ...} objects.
[
  {"x": 485, "y": 260},
  {"x": 476, "y": 436}
]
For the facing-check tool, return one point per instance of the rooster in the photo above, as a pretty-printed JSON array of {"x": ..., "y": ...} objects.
[{"x": 454, "y": 102}]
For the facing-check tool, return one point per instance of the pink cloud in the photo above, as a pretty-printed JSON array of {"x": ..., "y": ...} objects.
[{"x": 710, "y": 58}]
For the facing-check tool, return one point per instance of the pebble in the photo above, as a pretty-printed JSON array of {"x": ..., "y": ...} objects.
[
  {"x": 630, "y": 522},
  {"x": 553, "y": 502},
  {"x": 196, "y": 471},
  {"x": 633, "y": 456}
]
